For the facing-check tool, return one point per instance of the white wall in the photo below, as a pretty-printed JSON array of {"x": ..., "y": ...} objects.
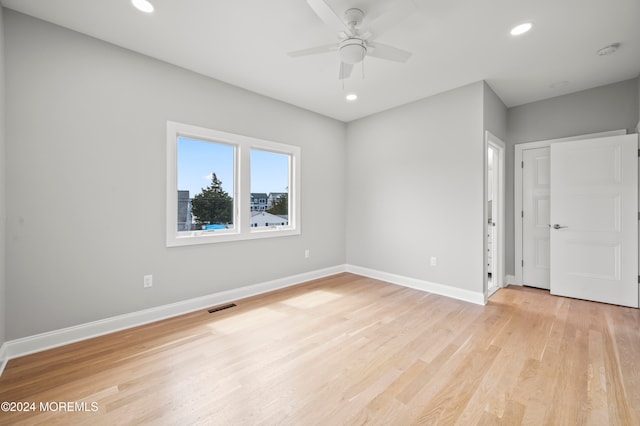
[
  {"x": 86, "y": 165},
  {"x": 415, "y": 189},
  {"x": 610, "y": 107},
  {"x": 2, "y": 187}
]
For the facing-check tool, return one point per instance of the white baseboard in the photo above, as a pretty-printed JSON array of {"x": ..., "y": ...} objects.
[
  {"x": 40, "y": 342},
  {"x": 3, "y": 357},
  {"x": 441, "y": 289}
]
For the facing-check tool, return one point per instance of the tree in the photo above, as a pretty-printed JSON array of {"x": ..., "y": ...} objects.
[
  {"x": 280, "y": 206},
  {"x": 213, "y": 204}
]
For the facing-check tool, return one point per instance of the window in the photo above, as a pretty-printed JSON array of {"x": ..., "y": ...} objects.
[
  {"x": 226, "y": 187},
  {"x": 206, "y": 185},
  {"x": 270, "y": 178}
]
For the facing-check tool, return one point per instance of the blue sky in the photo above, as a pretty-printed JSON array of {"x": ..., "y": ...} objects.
[{"x": 198, "y": 159}]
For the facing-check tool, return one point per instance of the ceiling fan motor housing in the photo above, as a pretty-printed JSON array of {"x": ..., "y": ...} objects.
[
  {"x": 353, "y": 17},
  {"x": 352, "y": 50}
]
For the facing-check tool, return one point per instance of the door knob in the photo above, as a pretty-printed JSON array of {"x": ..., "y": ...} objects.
[{"x": 556, "y": 226}]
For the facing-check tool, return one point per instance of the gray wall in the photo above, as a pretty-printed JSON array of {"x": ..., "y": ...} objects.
[
  {"x": 494, "y": 113},
  {"x": 2, "y": 187},
  {"x": 610, "y": 107},
  {"x": 86, "y": 141},
  {"x": 495, "y": 121},
  {"x": 415, "y": 189}
]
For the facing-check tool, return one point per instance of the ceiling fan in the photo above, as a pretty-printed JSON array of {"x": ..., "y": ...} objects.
[{"x": 355, "y": 43}]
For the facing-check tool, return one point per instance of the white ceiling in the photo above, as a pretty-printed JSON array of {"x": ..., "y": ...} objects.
[{"x": 454, "y": 43}]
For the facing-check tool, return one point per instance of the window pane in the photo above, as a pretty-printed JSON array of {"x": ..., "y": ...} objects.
[
  {"x": 269, "y": 189},
  {"x": 205, "y": 185}
]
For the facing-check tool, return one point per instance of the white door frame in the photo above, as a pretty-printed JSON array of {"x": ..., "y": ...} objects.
[
  {"x": 498, "y": 250},
  {"x": 517, "y": 208}
]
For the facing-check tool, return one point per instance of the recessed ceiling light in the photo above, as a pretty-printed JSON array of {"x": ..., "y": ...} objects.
[
  {"x": 143, "y": 5},
  {"x": 521, "y": 29},
  {"x": 351, "y": 97},
  {"x": 608, "y": 50}
]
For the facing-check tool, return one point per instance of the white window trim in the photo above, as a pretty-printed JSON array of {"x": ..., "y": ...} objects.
[{"x": 242, "y": 187}]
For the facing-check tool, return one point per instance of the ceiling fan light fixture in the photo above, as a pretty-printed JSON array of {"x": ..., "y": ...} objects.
[
  {"x": 143, "y": 5},
  {"x": 352, "y": 50},
  {"x": 355, "y": 42},
  {"x": 351, "y": 97},
  {"x": 521, "y": 29}
]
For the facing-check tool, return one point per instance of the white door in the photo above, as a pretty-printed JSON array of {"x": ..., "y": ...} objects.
[
  {"x": 594, "y": 233},
  {"x": 535, "y": 217}
]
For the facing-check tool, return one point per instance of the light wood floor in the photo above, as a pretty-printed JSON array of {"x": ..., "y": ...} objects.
[{"x": 351, "y": 350}]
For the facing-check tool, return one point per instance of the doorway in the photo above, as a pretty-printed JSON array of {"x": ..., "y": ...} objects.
[
  {"x": 494, "y": 214},
  {"x": 575, "y": 217},
  {"x": 533, "y": 270}
]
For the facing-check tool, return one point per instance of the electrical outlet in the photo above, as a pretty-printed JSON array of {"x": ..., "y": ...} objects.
[
  {"x": 434, "y": 261},
  {"x": 147, "y": 281},
  {"x": 307, "y": 253}
]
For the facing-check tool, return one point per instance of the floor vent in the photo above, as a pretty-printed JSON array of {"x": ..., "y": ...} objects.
[{"x": 220, "y": 308}]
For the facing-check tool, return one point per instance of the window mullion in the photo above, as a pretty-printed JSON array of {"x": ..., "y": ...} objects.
[{"x": 244, "y": 189}]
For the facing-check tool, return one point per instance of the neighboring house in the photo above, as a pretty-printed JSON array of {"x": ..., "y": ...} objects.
[
  {"x": 260, "y": 219},
  {"x": 273, "y": 197},
  {"x": 184, "y": 211},
  {"x": 259, "y": 201}
]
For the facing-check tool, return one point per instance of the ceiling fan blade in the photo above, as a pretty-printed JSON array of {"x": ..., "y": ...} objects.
[
  {"x": 345, "y": 71},
  {"x": 393, "y": 15},
  {"x": 328, "y": 16},
  {"x": 389, "y": 53},
  {"x": 314, "y": 50}
]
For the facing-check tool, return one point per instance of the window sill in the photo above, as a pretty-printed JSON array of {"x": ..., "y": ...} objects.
[{"x": 213, "y": 237}]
